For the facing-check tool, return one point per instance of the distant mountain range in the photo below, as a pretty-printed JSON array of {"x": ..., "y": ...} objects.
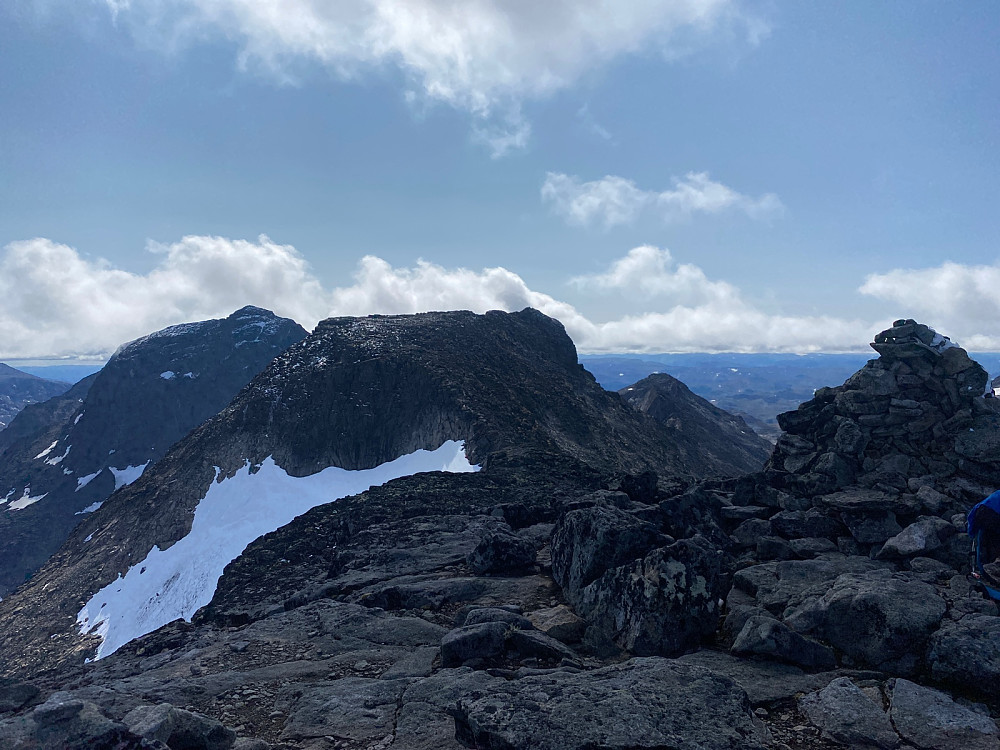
[
  {"x": 756, "y": 387},
  {"x": 19, "y": 388}
]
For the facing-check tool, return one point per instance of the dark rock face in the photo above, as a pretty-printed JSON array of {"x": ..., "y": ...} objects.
[
  {"x": 19, "y": 389},
  {"x": 72, "y": 452},
  {"x": 705, "y": 433}
]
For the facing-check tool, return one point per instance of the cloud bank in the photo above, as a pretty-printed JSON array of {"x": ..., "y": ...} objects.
[
  {"x": 615, "y": 200},
  {"x": 480, "y": 56},
  {"x": 56, "y": 303},
  {"x": 963, "y": 301}
]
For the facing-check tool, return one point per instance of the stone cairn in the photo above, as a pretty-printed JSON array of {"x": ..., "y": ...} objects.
[{"x": 909, "y": 437}]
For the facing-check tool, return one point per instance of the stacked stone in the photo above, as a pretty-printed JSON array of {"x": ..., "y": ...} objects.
[{"x": 904, "y": 445}]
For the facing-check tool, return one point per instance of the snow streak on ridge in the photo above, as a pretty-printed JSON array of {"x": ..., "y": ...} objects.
[{"x": 176, "y": 582}]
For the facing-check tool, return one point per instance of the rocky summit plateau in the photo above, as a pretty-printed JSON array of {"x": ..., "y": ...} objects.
[{"x": 439, "y": 532}]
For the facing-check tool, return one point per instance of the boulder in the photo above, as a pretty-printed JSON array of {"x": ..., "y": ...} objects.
[
  {"x": 589, "y": 541},
  {"x": 15, "y": 695},
  {"x": 67, "y": 723},
  {"x": 877, "y": 618},
  {"x": 966, "y": 654},
  {"x": 473, "y": 644},
  {"x": 502, "y": 552},
  {"x": 495, "y": 614},
  {"x": 843, "y": 713},
  {"x": 560, "y": 622},
  {"x": 766, "y": 636},
  {"x": 872, "y": 527},
  {"x": 663, "y": 604},
  {"x": 918, "y": 539},
  {"x": 796, "y": 524},
  {"x": 646, "y": 702},
  {"x": 178, "y": 728},
  {"x": 930, "y": 720}
]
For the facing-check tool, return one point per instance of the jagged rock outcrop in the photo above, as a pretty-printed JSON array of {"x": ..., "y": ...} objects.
[
  {"x": 59, "y": 460},
  {"x": 870, "y": 484},
  {"x": 705, "y": 433},
  {"x": 19, "y": 389}
]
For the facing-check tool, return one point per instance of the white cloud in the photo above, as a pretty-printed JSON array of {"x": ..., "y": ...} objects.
[
  {"x": 615, "y": 200},
  {"x": 961, "y": 301},
  {"x": 480, "y": 56},
  {"x": 55, "y": 303}
]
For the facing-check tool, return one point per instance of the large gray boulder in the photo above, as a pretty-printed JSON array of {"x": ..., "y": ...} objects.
[
  {"x": 966, "y": 654},
  {"x": 765, "y": 636},
  {"x": 178, "y": 728},
  {"x": 930, "y": 720},
  {"x": 878, "y": 618},
  {"x": 663, "y": 604},
  {"x": 843, "y": 713},
  {"x": 589, "y": 541},
  {"x": 641, "y": 703}
]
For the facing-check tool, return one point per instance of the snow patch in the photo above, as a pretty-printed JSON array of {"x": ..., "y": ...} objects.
[
  {"x": 78, "y": 417},
  {"x": 7, "y": 497},
  {"x": 90, "y": 508},
  {"x": 47, "y": 451},
  {"x": 191, "y": 375},
  {"x": 127, "y": 475},
  {"x": 168, "y": 374},
  {"x": 177, "y": 581},
  {"x": 82, "y": 482},
  {"x": 58, "y": 459},
  {"x": 89, "y": 537},
  {"x": 25, "y": 500}
]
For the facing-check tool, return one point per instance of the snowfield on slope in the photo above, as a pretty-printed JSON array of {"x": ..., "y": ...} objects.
[{"x": 177, "y": 581}]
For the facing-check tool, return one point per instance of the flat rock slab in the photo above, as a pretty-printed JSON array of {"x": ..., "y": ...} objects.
[
  {"x": 931, "y": 720},
  {"x": 641, "y": 703},
  {"x": 766, "y": 682},
  {"x": 355, "y": 708}
]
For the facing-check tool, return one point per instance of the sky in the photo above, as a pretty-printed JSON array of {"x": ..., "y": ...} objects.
[{"x": 659, "y": 175}]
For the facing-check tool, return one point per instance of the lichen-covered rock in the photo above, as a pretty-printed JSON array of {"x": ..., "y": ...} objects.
[
  {"x": 501, "y": 552},
  {"x": 178, "y": 728},
  {"x": 664, "y": 604},
  {"x": 589, "y": 541}
]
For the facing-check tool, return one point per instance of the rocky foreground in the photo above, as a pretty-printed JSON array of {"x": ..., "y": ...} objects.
[{"x": 546, "y": 602}]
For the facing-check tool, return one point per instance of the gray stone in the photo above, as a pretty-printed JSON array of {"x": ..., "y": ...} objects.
[
  {"x": 358, "y": 709},
  {"x": 532, "y": 643},
  {"x": 495, "y": 614},
  {"x": 966, "y": 654},
  {"x": 843, "y": 713},
  {"x": 795, "y": 524},
  {"x": 751, "y": 531},
  {"x": 501, "y": 552},
  {"x": 765, "y": 636},
  {"x": 646, "y": 702},
  {"x": 560, "y": 622},
  {"x": 473, "y": 643},
  {"x": 664, "y": 604},
  {"x": 931, "y": 720},
  {"x": 811, "y": 546},
  {"x": 15, "y": 695},
  {"x": 918, "y": 538},
  {"x": 178, "y": 728},
  {"x": 587, "y": 542},
  {"x": 873, "y": 527},
  {"x": 880, "y": 619}
]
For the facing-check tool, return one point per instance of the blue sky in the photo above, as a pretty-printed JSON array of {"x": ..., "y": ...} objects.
[{"x": 661, "y": 176}]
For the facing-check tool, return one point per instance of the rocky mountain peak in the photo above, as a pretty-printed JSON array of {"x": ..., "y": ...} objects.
[
  {"x": 65, "y": 457},
  {"x": 708, "y": 434}
]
